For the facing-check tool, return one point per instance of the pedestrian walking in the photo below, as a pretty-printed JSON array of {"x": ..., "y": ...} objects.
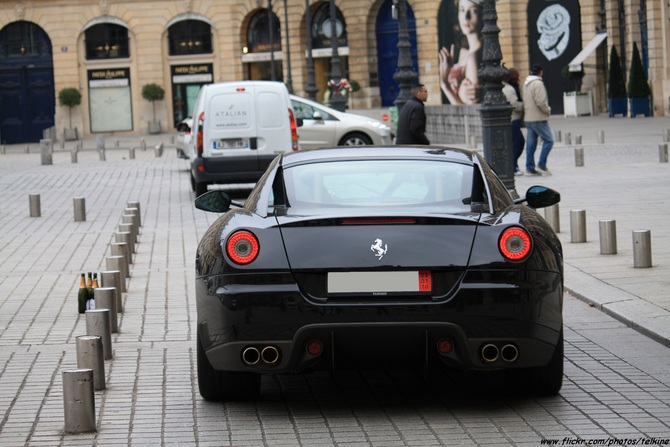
[
  {"x": 512, "y": 92},
  {"x": 536, "y": 116},
  {"x": 412, "y": 118}
]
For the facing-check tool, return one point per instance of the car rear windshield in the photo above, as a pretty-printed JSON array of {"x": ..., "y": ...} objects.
[{"x": 434, "y": 186}]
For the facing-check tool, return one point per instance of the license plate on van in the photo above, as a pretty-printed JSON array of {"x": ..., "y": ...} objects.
[{"x": 231, "y": 143}]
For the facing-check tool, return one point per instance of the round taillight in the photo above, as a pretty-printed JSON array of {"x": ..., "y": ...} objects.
[
  {"x": 315, "y": 347},
  {"x": 242, "y": 247},
  {"x": 445, "y": 346},
  {"x": 515, "y": 244}
]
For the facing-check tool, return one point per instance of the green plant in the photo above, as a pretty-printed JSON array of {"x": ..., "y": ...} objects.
[
  {"x": 575, "y": 76},
  {"x": 69, "y": 97},
  {"x": 153, "y": 93},
  {"x": 616, "y": 84},
  {"x": 638, "y": 87},
  {"x": 354, "y": 86}
]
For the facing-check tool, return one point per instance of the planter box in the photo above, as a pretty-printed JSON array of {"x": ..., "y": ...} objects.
[
  {"x": 617, "y": 106},
  {"x": 70, "y": 134},
  {"x": 640, "y": 106},
  {"x": 577, "y": 105},
  {"x": 154, "y": 127}
]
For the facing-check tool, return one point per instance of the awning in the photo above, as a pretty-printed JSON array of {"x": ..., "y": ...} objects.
[{"x": 576, "y": 63}]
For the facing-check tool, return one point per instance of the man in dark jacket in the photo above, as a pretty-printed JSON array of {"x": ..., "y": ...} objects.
[{"x": 412, "y": 119}]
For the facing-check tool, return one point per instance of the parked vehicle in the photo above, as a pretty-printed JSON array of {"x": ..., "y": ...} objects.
[
  {"x": 379, "y": 256},
  {"x": 326, "y": 127},
  {"x": 239, "y": 127}
]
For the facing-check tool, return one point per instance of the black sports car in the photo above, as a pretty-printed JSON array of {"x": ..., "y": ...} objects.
[{"x": 378, "y": 256}]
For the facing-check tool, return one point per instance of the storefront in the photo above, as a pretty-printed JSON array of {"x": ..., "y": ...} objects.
[
  {"x": 186, "y": 83},
  {"x": 110, "y": 104}
]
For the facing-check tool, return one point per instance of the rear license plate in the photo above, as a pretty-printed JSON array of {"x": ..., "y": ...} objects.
[
  {"x": 231, "y": 143},
  {"x": 380, "y": 283}
]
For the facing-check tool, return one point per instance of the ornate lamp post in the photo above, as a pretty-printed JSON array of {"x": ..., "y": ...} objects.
[
  {"x": 405, "y": 76},
  {"x": 289, "y": 80},
  {"x": 495, "y": 111},
  {"x": 311, "y": 88},
  {"x": 272, "y": 42},
  {"x": 337, "y": 101}
]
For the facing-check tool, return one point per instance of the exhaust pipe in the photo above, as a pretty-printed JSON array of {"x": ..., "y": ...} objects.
[
  {"x": 490, "y": 353},
  {"x": 509, "y": 353},
  {"x": 270, "y": 355},
  {"x": 251, "y": 356}
]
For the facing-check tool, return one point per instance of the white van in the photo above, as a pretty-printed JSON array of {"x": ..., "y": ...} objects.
[{"x": 238, "y": 129}]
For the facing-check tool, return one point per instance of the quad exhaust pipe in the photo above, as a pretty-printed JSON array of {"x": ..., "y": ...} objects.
[
  {"x": 491, "y": 353},
  {"x": 269, "y": 355}
]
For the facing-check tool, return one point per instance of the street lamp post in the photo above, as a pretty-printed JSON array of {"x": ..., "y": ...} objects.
[
  {"x": 405, "y": 76},
  {"x": 311, "y": 88},
  {"x": 289, "y": 78},
  {"x": 272, "y": 42},
  {"x": 337, "y": 101},
  {"x": 496, "y": 112}
]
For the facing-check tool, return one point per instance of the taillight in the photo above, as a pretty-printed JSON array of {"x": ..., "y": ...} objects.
[
  {"x": 242, "y": 247},
  {"x": 199, "y": 136},
  {"x": 515, "y": 244},
  {"x": 294, "y": 130}
]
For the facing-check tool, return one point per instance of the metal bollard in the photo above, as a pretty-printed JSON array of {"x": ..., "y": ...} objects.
[
  {"x": 127, "y": 228},
  {"x": 26, "y": 149},
  {"x": 3, "y": 149},
  {"x": 579, "y": 156},
  {"x": 666, "y": 136},
  {"x": 47, "y": 152},
  {"x": 578, "y": 226},
  {"x": 136, "y": 205},
  {"x": 78, "y": 401},
  {"x": 35, "y": 207},
  {"x": 158, "y": 150},
  {"x": 105, "y": 298},
  {"x": 100, "y": 142},
  {"x": 552, "y": 217},
  {"x": 568, "y": 138},
  {"x": 98, "y": 323},
  {"x": 112, "y": 278},
  {"x": 171, "y": 139},
  {"x": 118, "y": 262},
  {"x": 129, "y": 219},
  {"x": 135, "y": 212},
  {"x": 143, "y": 144},
  {"x": 607, "y": 231},
  {"x": 116, "y": 142},
  {"x": 79, "y": 209},
  {"x": 558, "y": 136},
  {"x": 131, "y": 153},
  {"x": 90, "y": 355},
  {"x": 663, "y": 153},
  {"x": 73, "y": 155},
  {"x": 578, "y": 139},
  {"x": 101, "y": 154},
  {"x": 641, "y": 248},
  {"x": 601, "y": 137},
  {"x": 121, "y": 248}
]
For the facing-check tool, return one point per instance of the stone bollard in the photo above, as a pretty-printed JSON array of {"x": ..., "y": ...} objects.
[
  {"x": 35, "y": 207},
  {"x": 78, "y": 401},
  {"x": 105, "y": 298},
  {"x": 607, "y": 231},
  {"x": 568, "y": 138},
  {"x": 579, "y": 156},
  {"x": 131, "y": 153},
  {"x": 79, "y": 209},
  {"x": 121, "y": 248},
  {"x": 73, "y": 155},
  {"x": 46, "y": 151},
  {"x": 98, "y": 323},
  {"x": 558, "y": 136},
  {"x": 112, "y": 278},
  {"x": 90, "y": 355},
  {"x": 578, "y": 226},
  {"x": 663, "y": 153},
  {"x": 118, "y": 262},
  {"x": 136, "y": 205},
  {"x": 578, "y": 139},
  {"x": 601, "y": 137},
  {"x": 551, "y": 215},
  {"x": 641, "y": 248}
]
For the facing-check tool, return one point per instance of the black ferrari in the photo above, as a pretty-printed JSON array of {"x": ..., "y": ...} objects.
[{"x": 382, "y": 257}]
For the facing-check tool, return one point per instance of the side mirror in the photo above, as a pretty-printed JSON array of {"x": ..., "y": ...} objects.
[
  {"x": 213, "y": 201},
  {"x": 317, "y": 116},
  {"x": 542, "y": 197}
]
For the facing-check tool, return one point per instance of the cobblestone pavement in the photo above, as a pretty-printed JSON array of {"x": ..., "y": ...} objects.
[{"x": 617, "y": 380}]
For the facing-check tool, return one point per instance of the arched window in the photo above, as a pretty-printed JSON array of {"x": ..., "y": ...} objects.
[
  {"x": 190, "y": 37},
  {"x": 107, "y": 41},
  {"x": 258, "y": 33},
  {"x": 24, "y": 39}
]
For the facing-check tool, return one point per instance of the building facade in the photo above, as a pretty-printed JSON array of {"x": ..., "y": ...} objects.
[{"x": 110, "y": 49}]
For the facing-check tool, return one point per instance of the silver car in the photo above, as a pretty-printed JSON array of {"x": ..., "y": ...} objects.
[{"x": 326, "y": 127}]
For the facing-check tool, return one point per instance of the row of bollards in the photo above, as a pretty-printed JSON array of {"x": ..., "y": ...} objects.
[
  {"x": 607, "y": 235},
  {"x": 46, "y": 149},
  {"x": 95, "y": 347}
]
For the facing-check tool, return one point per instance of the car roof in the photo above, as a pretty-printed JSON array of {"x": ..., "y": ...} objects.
[{"x": 437, "y": 153}]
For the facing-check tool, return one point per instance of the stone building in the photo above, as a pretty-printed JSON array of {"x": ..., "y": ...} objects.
[{"x": 110, "y": 49}]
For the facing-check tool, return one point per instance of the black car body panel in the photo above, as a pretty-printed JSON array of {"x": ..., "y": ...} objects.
[{"x": 311, "y": 279}]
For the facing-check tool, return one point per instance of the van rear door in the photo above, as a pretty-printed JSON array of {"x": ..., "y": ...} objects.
[{"x": 272, "y": 122}]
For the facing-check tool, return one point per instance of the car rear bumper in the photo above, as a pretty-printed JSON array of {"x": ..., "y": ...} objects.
[
  {"x": 511, "y": 326},
  {"x": 227, "y": 169}
]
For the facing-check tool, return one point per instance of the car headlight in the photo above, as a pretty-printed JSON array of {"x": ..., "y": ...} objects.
[{"x": 383, "y": 129}]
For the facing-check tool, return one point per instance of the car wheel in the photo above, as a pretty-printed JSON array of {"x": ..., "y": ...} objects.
[
  {"x": 200, "y": 188},
  {"x": 225, "y": 385},
  {"x": 356, "y": 139},
  {"x": 544, "y": 380}
]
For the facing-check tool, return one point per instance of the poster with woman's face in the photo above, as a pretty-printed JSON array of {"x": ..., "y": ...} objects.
[{"x": 460, "y": 25}]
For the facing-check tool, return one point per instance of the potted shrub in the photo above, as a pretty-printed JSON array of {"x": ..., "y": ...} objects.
[
  {"x": 617, "y": 102},
  {"x": 69, "y": 97},
  {"x": 638, "y": 87},
  {"x": 575, "y": 103},
  {"x": 153, "y": 93}
]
